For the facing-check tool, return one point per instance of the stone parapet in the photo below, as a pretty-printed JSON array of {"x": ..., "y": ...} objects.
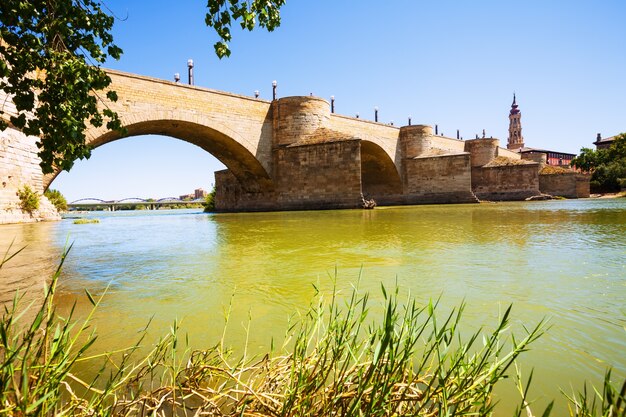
[{"x": 539, "y": 157}]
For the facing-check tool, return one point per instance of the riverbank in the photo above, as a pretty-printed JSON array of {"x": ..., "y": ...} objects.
[
  {"x": 11, "y": 212},
  {"x": 621, "y": 194}
]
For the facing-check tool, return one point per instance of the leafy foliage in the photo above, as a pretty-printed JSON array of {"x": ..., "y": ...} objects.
[
  {"x": 209, "y": 201},
  {"x": 607, "y": 166},
  {"x": 223, "y": 13},
  {"x": 49, "y": 52},
  {"x": 57, "y": 199},
  {"x": 29, "y": 199}
]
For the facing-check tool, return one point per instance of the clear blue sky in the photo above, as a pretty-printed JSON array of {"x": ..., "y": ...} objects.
[{"x": 451, "y": 63}]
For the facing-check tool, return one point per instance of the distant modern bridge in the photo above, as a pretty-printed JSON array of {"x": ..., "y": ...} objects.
[{"x": 149, "y": 202}]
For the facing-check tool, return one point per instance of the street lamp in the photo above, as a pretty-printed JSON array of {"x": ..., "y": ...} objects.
[
  {"x": 176, "y": 77},
  {"x": 332, "y": 104},
  {"x": 357, "y": 115},
  {"x": 256, "y": 93},
  {"x": 190, "y": 69},
  {"x": 409, "y": 120},
  {"x": 376, "y": 114},
  {"x": 274, "y": 84}
]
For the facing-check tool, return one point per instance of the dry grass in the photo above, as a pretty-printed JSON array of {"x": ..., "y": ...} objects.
[
  {"x": 502, "y": 161},
  {"x": 555, "y": 170}
]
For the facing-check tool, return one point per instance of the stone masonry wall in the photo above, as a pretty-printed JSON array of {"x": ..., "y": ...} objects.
[
  {"x": 383, "y": 135},
  {"x": 501, "y": 183},
  {"x": 319, "y": 176},
  {"x": 309, "y": 177},
  {"x": 482, "y": 151},
  {"x": 19, "y": 166},
  {"x": 438, "y": 179},
  {"x": 568, "y": 185},
  {"x": 583, "y": 186},
  {"x": 298, "y": 117},
  {"x": 230, "y": 196}
]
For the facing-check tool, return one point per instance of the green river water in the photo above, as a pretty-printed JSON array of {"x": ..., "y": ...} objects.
[{"x": 561, "y": 260}]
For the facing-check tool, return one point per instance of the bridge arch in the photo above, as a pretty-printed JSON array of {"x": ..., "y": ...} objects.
[
  {"x": 379, "y": 176},
  {"x": 224, "y": 143}
]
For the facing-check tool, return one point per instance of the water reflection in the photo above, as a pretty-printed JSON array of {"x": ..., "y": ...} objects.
[{"x": 24, "y": 276}]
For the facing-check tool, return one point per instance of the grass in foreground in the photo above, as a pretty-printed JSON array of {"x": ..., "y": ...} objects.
[{"x": 334, "y": 361}]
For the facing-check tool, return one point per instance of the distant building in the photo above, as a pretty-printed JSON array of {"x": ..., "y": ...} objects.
[
  {"x": 552, "y": 157},
  {"x": 199, "y": 193},
  {"x": 603, "y": 143},
  {"x": 186, "y": 197},
  {"x": 516, "y": 141}
]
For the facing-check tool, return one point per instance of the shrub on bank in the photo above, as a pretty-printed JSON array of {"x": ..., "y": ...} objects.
[
  {"x": 334, "y": 361},
  {"x": 29, "y": 199},
  {"x": 209, "y": 201},
  {"x": 86, "y": 221},
  {"x": 57, "y": 199}
]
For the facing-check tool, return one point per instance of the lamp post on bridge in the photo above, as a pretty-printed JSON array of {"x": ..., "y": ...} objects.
[
  {"x": 376, "y": 114},
  {"x": 190, "y": 70},
  {"x": 177, "y": 78},
  {"x": 409, "y": 120},
  {"x": 274, "y": 84},
  {"x": 256, "y": 93},
  {"x": 332, "y": 104}
]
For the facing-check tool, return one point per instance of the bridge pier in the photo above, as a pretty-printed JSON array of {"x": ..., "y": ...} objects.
[{"x": 317, "y": 165}]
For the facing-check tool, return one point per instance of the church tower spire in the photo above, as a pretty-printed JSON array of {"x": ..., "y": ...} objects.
[{"x": 516, "y": 140}]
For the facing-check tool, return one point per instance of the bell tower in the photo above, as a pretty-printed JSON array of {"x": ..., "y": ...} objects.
[{"x": 516, "y": 140}]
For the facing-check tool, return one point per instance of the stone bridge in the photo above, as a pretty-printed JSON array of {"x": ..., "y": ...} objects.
[{"x": 292, "y": 153}]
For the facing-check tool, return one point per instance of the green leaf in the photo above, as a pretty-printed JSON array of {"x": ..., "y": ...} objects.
[
  {"x": 112, "y": 95},
  {"x": 548, "y": 410},
  {"x": 91, "y": 300}
]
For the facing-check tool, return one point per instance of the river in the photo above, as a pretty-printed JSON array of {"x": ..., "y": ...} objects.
[{"x": 561, "y": 260}]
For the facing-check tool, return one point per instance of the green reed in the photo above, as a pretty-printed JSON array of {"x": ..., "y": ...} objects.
[
  {"x": 86, "y": 221},
  {"x": 334, "y": 361}
]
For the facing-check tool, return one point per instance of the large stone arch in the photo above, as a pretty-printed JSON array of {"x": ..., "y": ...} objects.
[
  {"x": 379, "y": 176},
  {"x": 231, "y": 148}
]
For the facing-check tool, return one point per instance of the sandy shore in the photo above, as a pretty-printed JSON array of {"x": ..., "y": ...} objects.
[{"x": 609, "y": 195}]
